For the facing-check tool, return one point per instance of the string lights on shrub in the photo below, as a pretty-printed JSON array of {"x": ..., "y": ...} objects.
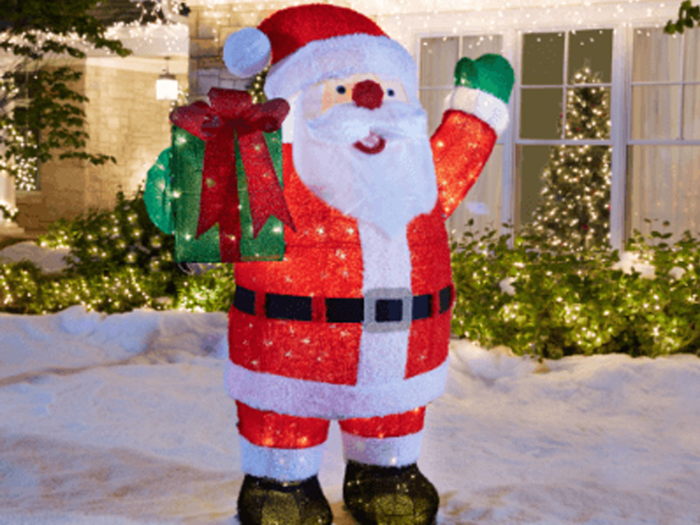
[{"x": 555, "y": 303}]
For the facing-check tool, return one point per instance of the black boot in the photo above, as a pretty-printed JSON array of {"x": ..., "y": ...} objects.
[
  {"x": 265, "y": 501},
  {"x": 389, "y": 495}
]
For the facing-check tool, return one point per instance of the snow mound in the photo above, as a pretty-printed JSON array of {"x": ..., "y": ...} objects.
[
  {"x": 630, "y": 261},
  {"x": 499, "y": 363},
  {"x": 30, "y": 343},
  {"x": 76, "y": 321},
  {"x": 47, "y": 259}
]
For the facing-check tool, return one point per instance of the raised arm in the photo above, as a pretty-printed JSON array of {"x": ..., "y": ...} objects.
[{"x": 478, "y": 114}]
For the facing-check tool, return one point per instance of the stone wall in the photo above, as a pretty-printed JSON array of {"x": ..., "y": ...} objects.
[
  {"x": 127, "y": 122},
  {"x": 124, "y": 120},
  {"x": 209, "y": 27},
  {"x": 61, "y": 184}
]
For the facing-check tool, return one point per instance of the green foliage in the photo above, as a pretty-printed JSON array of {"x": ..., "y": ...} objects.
[
  {"x": 20, "y": 285},
  {"x": 118, "y": 261},
  {"x": 7, "y": 213},
  {"x": 686, "y": 14},
  {"x": 104, "y": 241},
  {"x": 32, "y": 33},
  {"x": 211, "y": 291},
  {"x": 34, "y": 28},
  {"x": 569, "y": 303}
]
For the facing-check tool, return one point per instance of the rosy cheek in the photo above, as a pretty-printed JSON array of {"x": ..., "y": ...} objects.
[
  {"x": 327, "y": 100},
  {"x": 342, "y": 98}
]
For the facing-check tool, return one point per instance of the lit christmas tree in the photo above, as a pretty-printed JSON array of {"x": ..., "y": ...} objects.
[{"x": 574, "y": 207}]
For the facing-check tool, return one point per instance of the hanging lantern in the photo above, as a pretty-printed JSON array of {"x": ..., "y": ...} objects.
[{"x": 166, "y": 85}]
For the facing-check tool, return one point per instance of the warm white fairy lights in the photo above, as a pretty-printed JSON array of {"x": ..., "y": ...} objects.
[
  {"x": 22, "y": 167},
  {"x": 574, "y": 207}
]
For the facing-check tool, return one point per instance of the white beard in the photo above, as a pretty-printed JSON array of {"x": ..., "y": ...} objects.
[{"x": 387, "y": 189}]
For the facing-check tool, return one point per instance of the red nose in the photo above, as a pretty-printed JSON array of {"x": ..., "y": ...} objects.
[{"x": 367, "y": 94}]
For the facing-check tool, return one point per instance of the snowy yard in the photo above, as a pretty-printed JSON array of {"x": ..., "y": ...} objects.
[{"x": 123, "y": 420}]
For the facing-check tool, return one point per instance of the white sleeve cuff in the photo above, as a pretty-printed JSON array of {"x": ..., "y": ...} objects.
[{"x": 488, "y": 108}]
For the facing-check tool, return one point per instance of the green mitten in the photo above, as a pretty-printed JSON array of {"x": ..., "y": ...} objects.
[
  {"x": 158, "y": 193},
  {"x": 489, "y": 73}
]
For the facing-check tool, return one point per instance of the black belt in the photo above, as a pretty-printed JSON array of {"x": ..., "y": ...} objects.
[{"x": 389, "y": 309}]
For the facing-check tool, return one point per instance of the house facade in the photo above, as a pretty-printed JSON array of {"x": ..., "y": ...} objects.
[
  {"x": 651, "y": 81},
  {"x": 123, "y": 118}
]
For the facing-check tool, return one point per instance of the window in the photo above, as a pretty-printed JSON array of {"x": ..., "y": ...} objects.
[
  {"x": 563, "y": 144},
  {"x": 664, "y": 132},
  {"x": 618, "y": 100},
  {"x": 438, "y": 56}
]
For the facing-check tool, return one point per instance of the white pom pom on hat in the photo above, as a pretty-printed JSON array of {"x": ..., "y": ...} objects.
[{"x": 247, "y": 52}]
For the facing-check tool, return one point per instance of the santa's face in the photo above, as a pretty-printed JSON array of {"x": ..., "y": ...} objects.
[{"x": 362, "y": 147}]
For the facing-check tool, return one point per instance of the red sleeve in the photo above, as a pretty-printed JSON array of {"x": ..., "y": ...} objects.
[{"x": 461, "y": 146}]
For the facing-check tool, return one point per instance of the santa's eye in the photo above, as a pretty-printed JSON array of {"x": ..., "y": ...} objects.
[
  {"x": 340, "y": 89},
  {"x": 390, "y": 92}
]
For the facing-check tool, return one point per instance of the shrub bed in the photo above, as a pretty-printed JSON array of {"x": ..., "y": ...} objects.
[
  {"x": 118, "y": 261},
  {"x": 531, "y": 299},
  {"x": 552, "y": 303}
]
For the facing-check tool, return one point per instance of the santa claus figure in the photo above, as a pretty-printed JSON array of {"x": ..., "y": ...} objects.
[{"x": 354, "y": 323}]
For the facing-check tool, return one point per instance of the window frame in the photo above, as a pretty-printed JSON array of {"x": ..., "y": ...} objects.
[
  {"x": 620, "y": 101},
  {"x": 629, "y": 85},
  {"x": 615, "y": 214},
  {"x": 505, "y": 140}
]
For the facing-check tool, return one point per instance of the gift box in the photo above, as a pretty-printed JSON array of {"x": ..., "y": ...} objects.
[{"x": 218, "y": 188}]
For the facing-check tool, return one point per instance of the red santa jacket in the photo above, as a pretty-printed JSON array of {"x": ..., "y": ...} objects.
[{"x": 334, "y": 370}]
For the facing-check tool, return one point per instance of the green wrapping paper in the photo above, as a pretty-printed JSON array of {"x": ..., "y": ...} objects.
[
  {"x": 269, "y": 244},
  {"x": 173, "y": 193},
  {"x": 187, "y": 161},
  {"x": 159, "y": 193}
]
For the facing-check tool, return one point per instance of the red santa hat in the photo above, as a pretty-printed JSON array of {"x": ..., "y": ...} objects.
[{"x": 311, "y": 43}]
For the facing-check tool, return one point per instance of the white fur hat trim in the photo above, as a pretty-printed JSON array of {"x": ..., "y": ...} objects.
[{"x": 339, "y": 57}]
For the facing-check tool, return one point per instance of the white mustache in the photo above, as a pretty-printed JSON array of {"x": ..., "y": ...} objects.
[{"x": 348, "y": 123}]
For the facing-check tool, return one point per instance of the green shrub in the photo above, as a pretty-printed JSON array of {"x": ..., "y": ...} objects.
[
  {"x": 569, "y": 303},
  {"x": 107, "y": 241},
  {"x": 564, "y": 303},
  {"x": 20, "y": 287},
  {"x": 211, "y": 291},
  {"x": 118, "y": 261}
]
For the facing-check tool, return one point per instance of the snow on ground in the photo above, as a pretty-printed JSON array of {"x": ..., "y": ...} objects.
[
  {"x": 49, "y": 260},
  {"x": 123, "y": 420}
]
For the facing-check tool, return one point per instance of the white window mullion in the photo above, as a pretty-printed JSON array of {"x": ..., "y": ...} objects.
[
  {"x": 620, "y": 110},
  {"x": 564, "y": 85},
  {"x": 682, "y": 95},
  {"x": 511, "y": 52}
]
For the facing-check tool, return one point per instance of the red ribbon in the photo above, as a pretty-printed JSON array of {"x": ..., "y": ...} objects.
[{"x": 232, "y": 113}]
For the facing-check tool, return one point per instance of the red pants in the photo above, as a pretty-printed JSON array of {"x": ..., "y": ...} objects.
[{"x": 269, "y": 429}]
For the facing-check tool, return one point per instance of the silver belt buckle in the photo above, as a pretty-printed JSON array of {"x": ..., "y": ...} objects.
[{"x": 371, "y": 325}]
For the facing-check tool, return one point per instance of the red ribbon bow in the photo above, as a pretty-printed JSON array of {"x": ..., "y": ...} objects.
[{"x": 232, "y": 113}]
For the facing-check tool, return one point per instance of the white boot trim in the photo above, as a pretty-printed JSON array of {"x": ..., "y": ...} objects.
[
  {"x": 282, "y": 464},
  {"x": 386, "y": 452}
]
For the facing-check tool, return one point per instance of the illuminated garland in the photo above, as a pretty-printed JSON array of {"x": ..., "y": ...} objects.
[
  {"x": 8, "y": 212},
  {"x": 589, "y": 306},
  {"x": 21, "y": 159}
]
